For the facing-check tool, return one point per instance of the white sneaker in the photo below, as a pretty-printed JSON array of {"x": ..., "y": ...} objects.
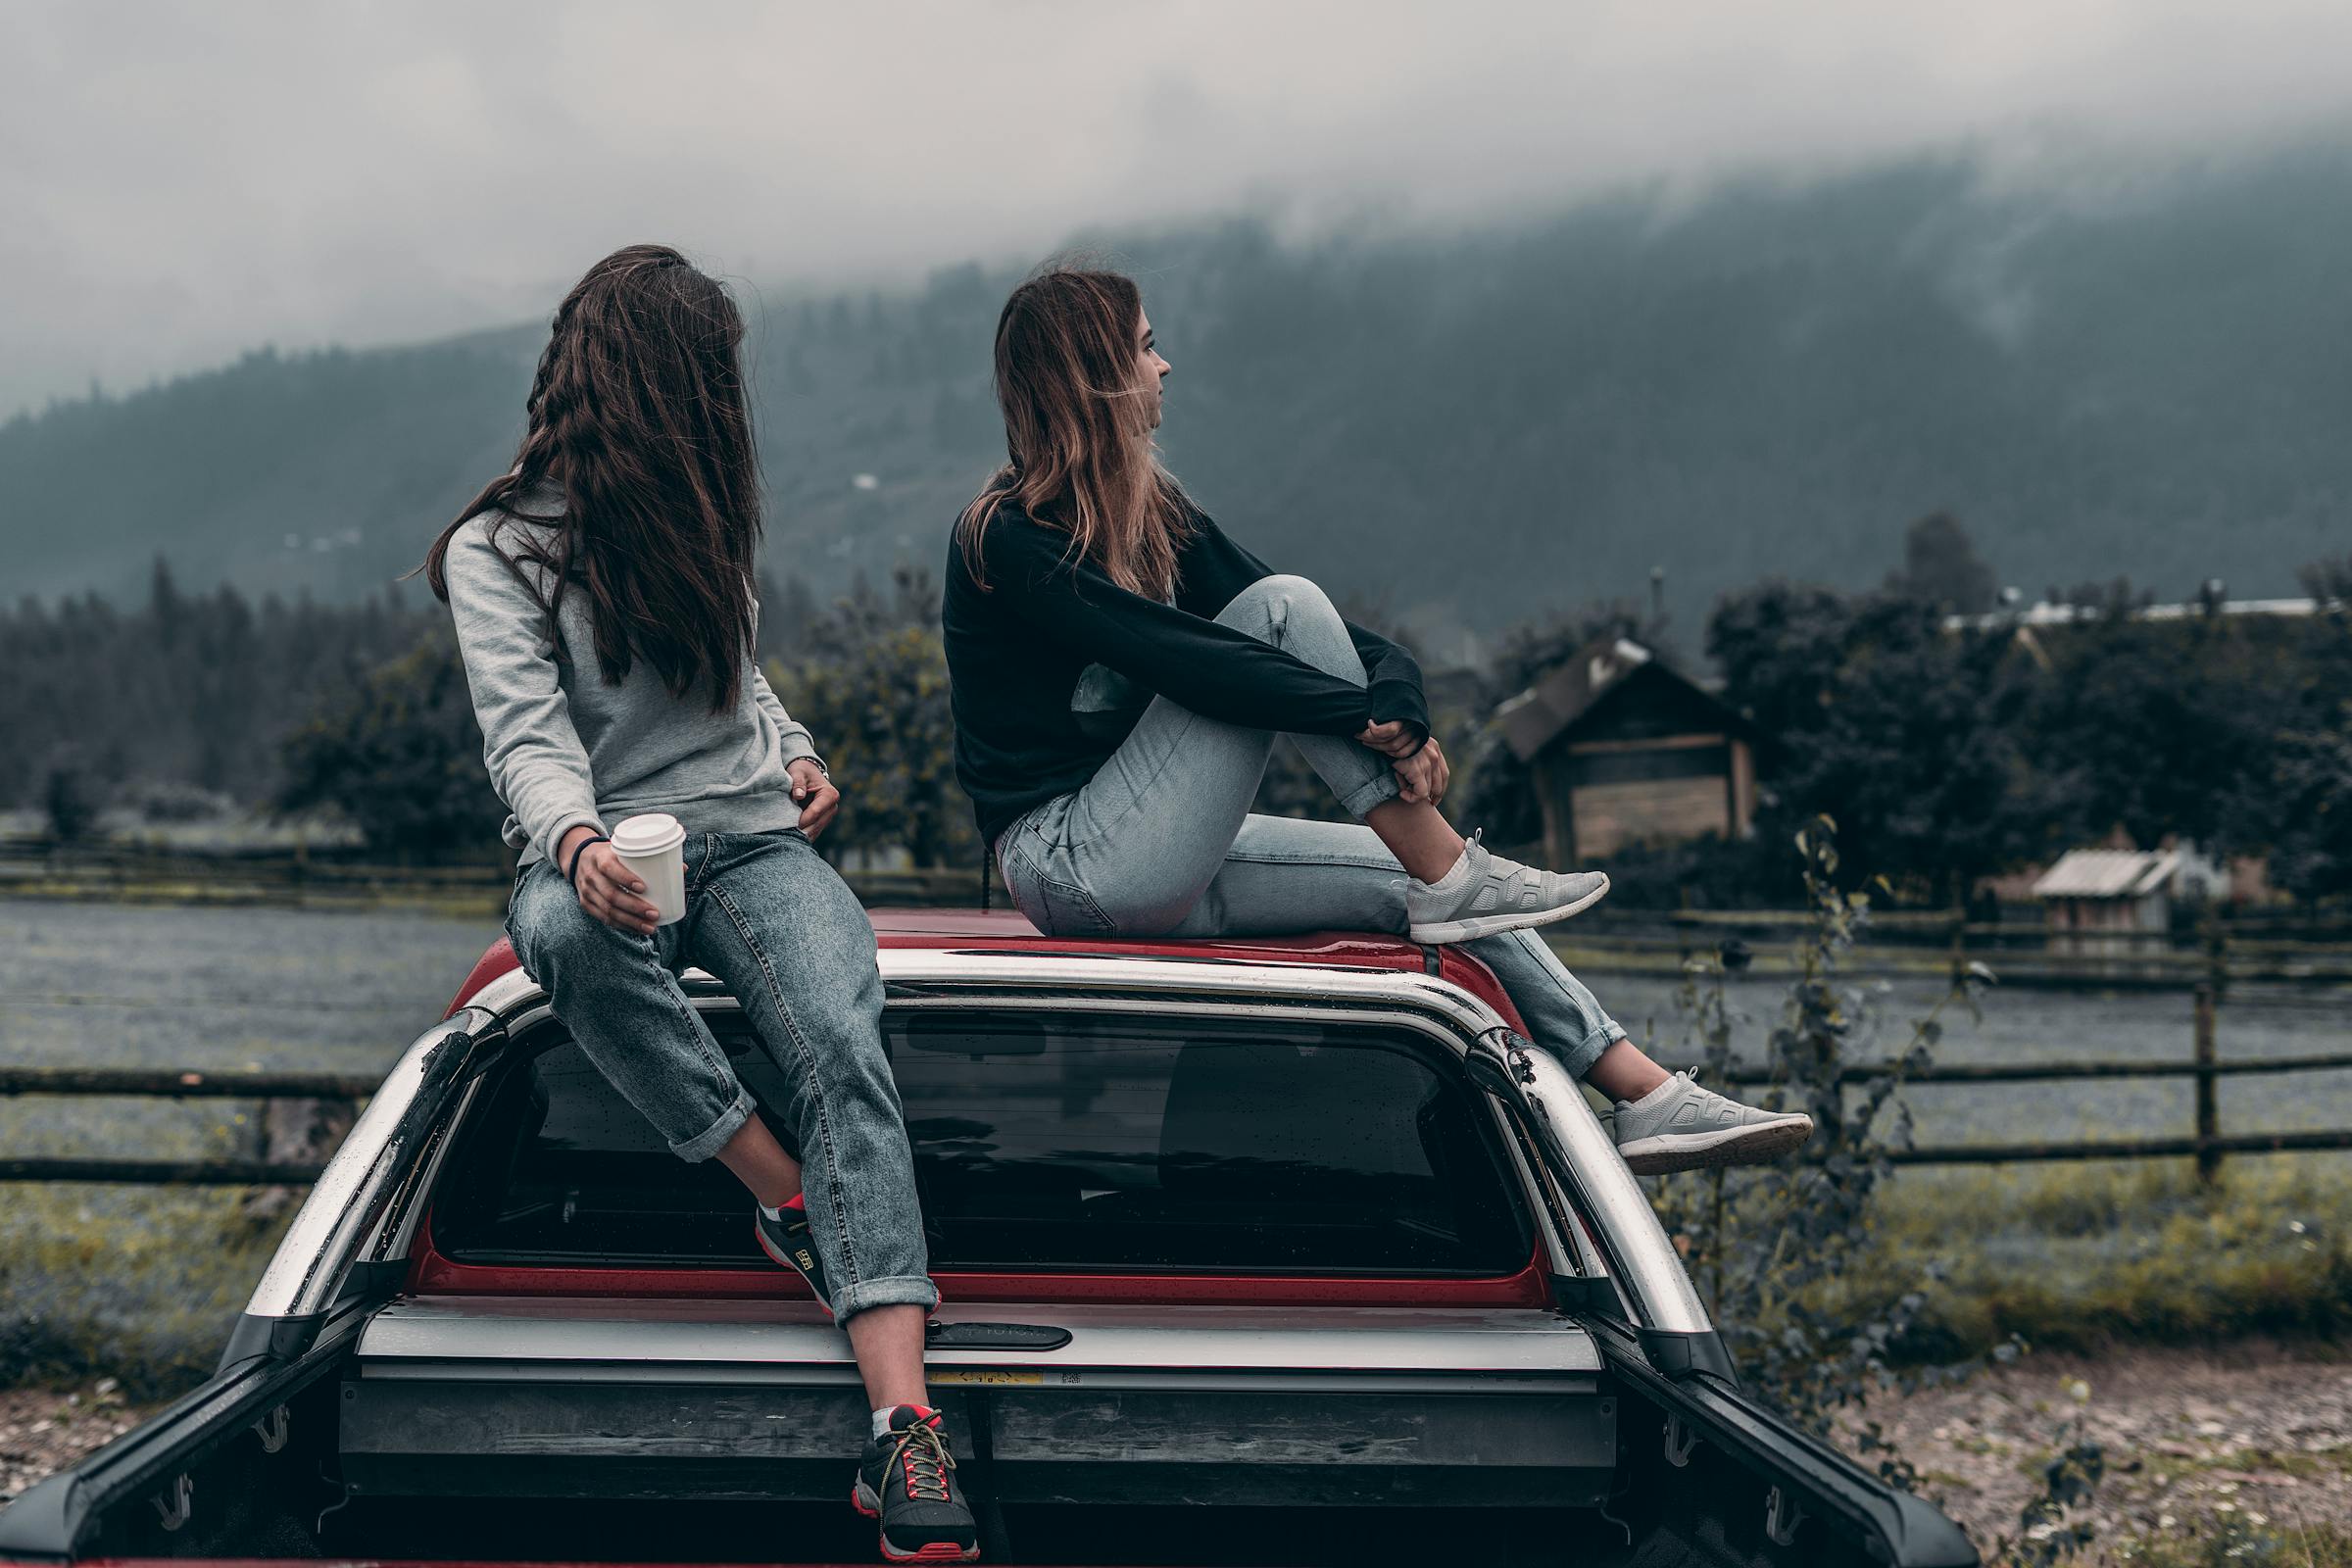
[
  {"x": 1485, "y": 894},
  {"x": 1680, "y": 1126}
]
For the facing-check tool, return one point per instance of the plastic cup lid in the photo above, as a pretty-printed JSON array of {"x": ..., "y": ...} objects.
[{"x": 647, "y": 834}]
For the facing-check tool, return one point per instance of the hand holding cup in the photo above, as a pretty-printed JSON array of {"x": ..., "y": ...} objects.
[
  {"x": 636, "y": 881},
  {"x": 614, "y": 894}
]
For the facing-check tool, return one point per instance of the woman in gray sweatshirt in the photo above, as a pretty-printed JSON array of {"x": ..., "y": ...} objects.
[{"x": 602, "y": 595}]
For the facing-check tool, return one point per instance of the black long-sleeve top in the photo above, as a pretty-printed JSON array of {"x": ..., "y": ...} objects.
[{"x": 1017, "y": 650}]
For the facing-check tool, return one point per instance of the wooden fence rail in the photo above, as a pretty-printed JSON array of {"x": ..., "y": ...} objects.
[
  {"x": 343, "y": 1090},
  {"x": 2008, "y": 1072},
  {"x": 160, "y": 1172},
  {"x": 2207, "y": 1145},
  {"x": 2208, "y": 1151},
  {"x": 172, "y": 1082}
]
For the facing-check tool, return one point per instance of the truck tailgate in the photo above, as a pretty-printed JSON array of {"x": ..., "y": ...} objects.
[{"x": 1096, "y": 1403}]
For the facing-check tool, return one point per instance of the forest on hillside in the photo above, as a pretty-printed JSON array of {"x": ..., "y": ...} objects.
[{"x": 1473, "y": 428}]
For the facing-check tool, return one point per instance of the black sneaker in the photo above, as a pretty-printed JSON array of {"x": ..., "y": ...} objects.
[
  {"x": 786, "y": 1240},
  {"x": 905, "y": 1480}
]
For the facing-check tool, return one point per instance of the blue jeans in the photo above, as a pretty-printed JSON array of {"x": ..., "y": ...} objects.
[
  {"x": 775, "y": 924},
  {"x": 1161, "y": 841}
]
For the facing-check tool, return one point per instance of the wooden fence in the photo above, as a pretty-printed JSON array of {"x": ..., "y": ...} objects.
[
  {"x": 2252, "y": 946},
  {"x": 2207, "y": 1144},
  {"x": 340, "y": 1089}
]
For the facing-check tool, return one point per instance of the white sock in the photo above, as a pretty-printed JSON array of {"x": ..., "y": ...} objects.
[
  {"x": 775, "y": 1214},
  {"x": 882, "y": 1421},
  {"x": 1673, "y": 1082},
  {"x": 1452, "y": 881}
]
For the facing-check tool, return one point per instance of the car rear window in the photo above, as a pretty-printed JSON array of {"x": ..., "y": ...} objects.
[{"x": 1046, "y": 1142}]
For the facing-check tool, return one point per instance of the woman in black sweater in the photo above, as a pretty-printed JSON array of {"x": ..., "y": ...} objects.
[{"x": 1121, "y": 669}]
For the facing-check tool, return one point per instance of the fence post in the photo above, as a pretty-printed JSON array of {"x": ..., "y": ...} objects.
[
  {"x": 2209, "y": 994},
  {"x": 2209, "y": 1158}
]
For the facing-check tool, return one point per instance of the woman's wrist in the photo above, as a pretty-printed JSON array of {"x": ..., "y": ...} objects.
[{"x": 574, "y": 844}]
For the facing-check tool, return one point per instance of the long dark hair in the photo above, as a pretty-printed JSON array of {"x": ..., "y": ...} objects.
[
  {"x": 638, "y": 415},
  {"x": 1076, "y": 432}
]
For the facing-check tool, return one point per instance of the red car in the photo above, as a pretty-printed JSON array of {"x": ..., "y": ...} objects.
[{"x": 1281, "y": 1250}]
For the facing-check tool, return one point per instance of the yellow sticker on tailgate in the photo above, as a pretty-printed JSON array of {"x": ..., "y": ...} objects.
[{"x": 981, "y": 1374}]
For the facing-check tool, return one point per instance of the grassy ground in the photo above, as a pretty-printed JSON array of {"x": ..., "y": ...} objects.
[
  {"x": 140, "y": 1286},
  {"x": 2104, "y": 1254}
]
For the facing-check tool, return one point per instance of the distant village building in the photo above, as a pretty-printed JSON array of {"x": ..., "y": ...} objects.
[
  {"x": 2027, "y": 617},
  {"x": 2095, "y": 900},
  {"x": 1625, "y": 750}
]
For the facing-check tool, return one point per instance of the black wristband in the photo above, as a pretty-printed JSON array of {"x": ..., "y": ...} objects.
[{"x": 571, "y": 873}]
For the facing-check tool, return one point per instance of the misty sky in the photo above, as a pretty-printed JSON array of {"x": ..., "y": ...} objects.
[{"x": 180, "y": 182}]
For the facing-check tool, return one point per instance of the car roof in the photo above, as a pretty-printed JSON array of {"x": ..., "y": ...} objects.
[
  {"x": 1008, "y": 931},
  {"x": 966, "y": 930}
]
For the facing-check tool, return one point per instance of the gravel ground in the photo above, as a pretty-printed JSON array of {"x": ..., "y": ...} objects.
[
  {"x": 42, "y": 1430},
  {"x": 2252, "y": 1437}
]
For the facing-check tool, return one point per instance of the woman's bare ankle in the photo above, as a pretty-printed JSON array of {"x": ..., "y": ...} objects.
[
  {"x": 759, "y": 1162},
  {"x": 1625, "y": 1072},
  {"x": 1424, "y": 843}
]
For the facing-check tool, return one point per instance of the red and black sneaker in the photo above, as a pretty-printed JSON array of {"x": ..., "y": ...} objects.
[
  {"x": 786, "y": 1240},
  {"x": 906, "y": 1479}
]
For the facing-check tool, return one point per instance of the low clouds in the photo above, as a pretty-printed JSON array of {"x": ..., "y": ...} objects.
[{"x": 183, "y": 182}]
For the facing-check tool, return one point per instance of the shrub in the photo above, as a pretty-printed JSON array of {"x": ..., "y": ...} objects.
[
  {"x": 401, "y": 758},
  {"x": 71, "y": 793},
  {"x": 1775, "y": 1250}
]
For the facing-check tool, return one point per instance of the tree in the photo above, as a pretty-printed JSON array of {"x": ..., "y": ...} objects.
[
  {"x": 871, "y": 682},
  {"x": 2328, "y": 580},
  {"x": 71, "y": 793},
  {"x": 2174, "y": 728},
  {"x": 166, "y": 608},
  {"x": 1875, "y": 716},
  {"x": 401, "y": 758},
  {"x": 1940, "y": 566},
  {"x": 2312, "y": 857}
]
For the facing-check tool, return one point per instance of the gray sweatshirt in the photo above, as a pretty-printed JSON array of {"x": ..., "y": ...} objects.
[{"x": 563, "y": 748}]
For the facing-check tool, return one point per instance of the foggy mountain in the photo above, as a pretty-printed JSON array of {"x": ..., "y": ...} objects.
[{"x": 2151, "y": 377}]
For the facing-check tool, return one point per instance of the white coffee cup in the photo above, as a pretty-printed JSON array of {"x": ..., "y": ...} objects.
[{"x": 649, "y": 846}]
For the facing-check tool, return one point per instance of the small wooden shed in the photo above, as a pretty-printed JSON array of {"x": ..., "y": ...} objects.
[
  {"x": 1626, "y": 750},
  {"x": 2091, "y": 896}
]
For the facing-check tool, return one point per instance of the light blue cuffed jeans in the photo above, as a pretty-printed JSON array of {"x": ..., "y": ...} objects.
[
  {"x": 784, "y": 934},
  {"x": 1161, "y": 841}
]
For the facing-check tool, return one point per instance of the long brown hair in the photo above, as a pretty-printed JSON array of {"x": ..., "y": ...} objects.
[
  {"x": 638, "y": 415},
  {"x": 1076, "y": 435}
]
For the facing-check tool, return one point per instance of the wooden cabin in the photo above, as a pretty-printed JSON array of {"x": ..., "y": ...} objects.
[
  {"x": 1626, "y": 752},
  {"x": 2097, "y": 901}
]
